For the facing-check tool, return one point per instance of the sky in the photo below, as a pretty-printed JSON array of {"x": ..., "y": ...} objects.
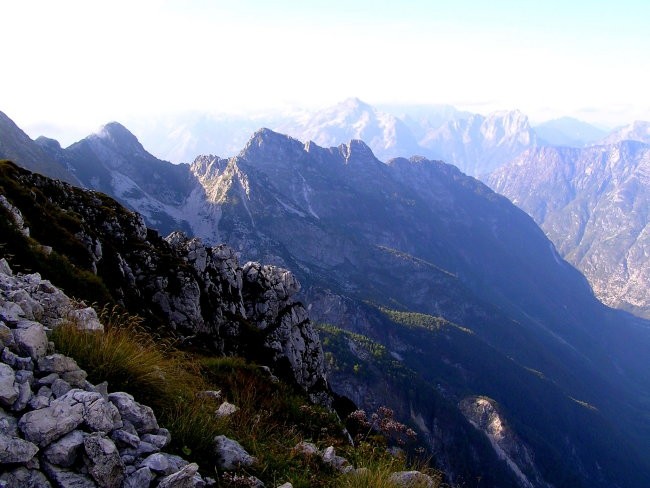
[{"x": 70, "y": 66}]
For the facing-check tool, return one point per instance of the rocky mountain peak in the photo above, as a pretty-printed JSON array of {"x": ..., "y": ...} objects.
[
  {"x": 353, "y": 105},
  {"x": 638, "y": 130},
  {"x": 503, "y": 124},
  {"x": 50, "y": 144},
  {"x": 120, "y": 139},
  {"x": 268, "y": 146},
  {"x": 357, "y": 151}
]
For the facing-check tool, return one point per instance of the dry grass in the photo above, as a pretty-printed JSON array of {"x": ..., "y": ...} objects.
[
  {"x": 130, "y": 358},
  {"x": 272, "y": 417}
]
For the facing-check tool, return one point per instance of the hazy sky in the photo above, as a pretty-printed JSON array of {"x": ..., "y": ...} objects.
[{"x": 73, "y": 65}]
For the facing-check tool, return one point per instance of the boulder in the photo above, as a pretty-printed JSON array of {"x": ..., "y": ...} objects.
[
  {"x": 16, "y": 450},
  {"x": 226, "y": 410},
  {"x": 65, "y": 478},
  {"x": 181, "y": 479},
  {"x": 8, "y": 387},
  {"x": 141, "y": 416},
  {"x": 163, "y": 463},
  {"x": 24, "y": 478},
  {"x": 64, "y": 452},
  {"x": 103, "y": 461},
  {"x": 411, "y": 479},
  {"x": 30, "y": 339},
  {"x": 139, "y": 478},
  {"x": 230, "y": 454},
  {"x": 66, "y": 413}
]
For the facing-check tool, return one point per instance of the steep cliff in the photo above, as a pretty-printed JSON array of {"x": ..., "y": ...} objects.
[{"x": 202, "y": 293}]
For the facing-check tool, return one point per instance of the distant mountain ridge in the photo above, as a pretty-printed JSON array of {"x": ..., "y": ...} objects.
[{"x": 594, "y": 204}]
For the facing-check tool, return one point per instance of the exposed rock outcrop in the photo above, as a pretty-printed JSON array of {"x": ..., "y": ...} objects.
[
  {"x": 203, "y": 293},
  {"x": 56, "y": 428}
]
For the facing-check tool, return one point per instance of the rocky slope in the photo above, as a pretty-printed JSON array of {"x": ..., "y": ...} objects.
[
  {"x": 17, "y": 146},
  {"x": 478, "y": 145},
  {"x": 418, "y": 235},
  {"x": 202, "y": 293},
  {"x": 56, "y": 428},
  {"x": 594, "y": 204},
  {"x": 636, "y": 131}
]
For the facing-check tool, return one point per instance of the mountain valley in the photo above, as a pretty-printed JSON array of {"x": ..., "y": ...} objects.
[{"x": 435, "y": 295}]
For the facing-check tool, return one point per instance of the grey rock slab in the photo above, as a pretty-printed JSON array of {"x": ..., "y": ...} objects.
[
  {"x": 5, "y": 269},
  {"x": 30, "y": 339},
  {"x": 24, "y": 396},
  {"x": 25, "y": 478},
  {"x": 86, "y": 319},
  {"x": 57, "y": 363},
  {"x": 75, "y": 378},
  {"x": 159, "y": 441},
  {"x": 64, "y": 478},
  {"x": 230, "y": 454},
  {"x": 225, "y": 410},
  {"x": 8, "y": 424},
  {"x": 181, "y": 479},
  {"x": 8, "y": 387},
  {"x": 139, "y": 479},
  {"x": 163, "y": 463},
  {"x": 66, "y": 413},
  {"x": 411, "y": 479},
  {"x": 15, "y": 361},
  {"x": 6, "y": 336},
  {"x": 103, "y": 461},
  {"x": 48, "y": 424},
  {"x": 64, "y": 452},
  {"x": 141, "y": 416},
  {"x": 16, "y": 450},
  {"x": 60, "y": 387},
  {"x": 125, "y": 439}
]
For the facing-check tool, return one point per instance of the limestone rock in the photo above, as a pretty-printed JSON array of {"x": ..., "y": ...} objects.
[
  {"x": 66, "y": 414},
  {"x": 8, "y": 387},
  {"x": 16, "y": 450},
  {"x": 141, "y": 416},
  {"x": 163, "y": 463},
  {"x": 24, "y": 478},
  {"x": 230, "y": 454},
  {"x": 181, "y": 479},
  {"x": 412, "y": 479},
  {"x": 65, "y": 478},
  {"x": 30, "y": 339},
  {"x": 104, "y": 463},
  {"x": 226, "y": 410},
  {"x": 139, "y": 478},
  {"x": 64, "y": 451}
]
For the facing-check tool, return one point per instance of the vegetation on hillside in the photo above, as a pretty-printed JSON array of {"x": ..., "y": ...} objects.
[{"x": 272, "y": 417}]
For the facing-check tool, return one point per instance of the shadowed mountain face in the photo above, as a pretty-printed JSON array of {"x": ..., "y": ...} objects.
[
  {"x": 499, "y": 313},
  {"x": 594, "y": 204},
  {"x": 16, "y": 145}
]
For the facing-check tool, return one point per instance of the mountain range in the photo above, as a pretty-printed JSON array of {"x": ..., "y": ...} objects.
[
  {"x": 594, "y": 204},
  {"x": 463, "y": 291},
  {"x": 476, "y": 143}
]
